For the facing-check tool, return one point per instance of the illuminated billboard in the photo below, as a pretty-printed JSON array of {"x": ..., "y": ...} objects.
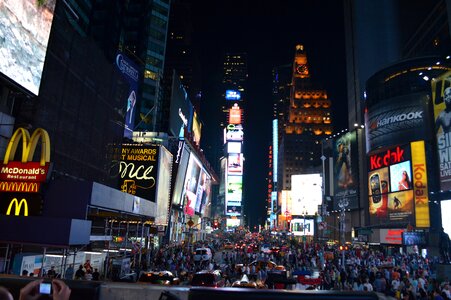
[
  {"x": 138, "y": 170},
  {"x": 233, "y": 95},
  {"x": 345, "y": 155},
  {"x": 203, "y": 192},
  {"x": 163, "y": 187},
  {"x": 235, "y": 164},
  {"x": 189, "y": 194},
  {"x": 197, "y": 128},
  {"x": 441, "y": 98},
  {"x": 234, "y": 132},
  {"x": 396, "y": 120},
  {"x": 234, "y": 147},
  {"x": 397, "y": 186},
  {"x": 25, "y": 29},
  {"x": 181, "y": 109},
  {"x": 275, "y": 147},
  {"x": 234, "y": 188},
  {"x": 306, "y": 194},
  {"x": 302, "y": 227},
  {"x": 446, "y": 220},
  {"x": 182, "y": 160},
  {"x": 235, "y": 114}
]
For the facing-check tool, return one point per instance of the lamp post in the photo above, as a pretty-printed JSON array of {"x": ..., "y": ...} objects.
[{"x": 343, "y": 204}]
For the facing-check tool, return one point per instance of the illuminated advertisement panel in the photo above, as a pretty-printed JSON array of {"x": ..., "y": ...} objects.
[
  {"x": 302, "y": 227},
  {"x": 446, "y": 220},
  {"x": 275, "y": 147},
  {"x": 234, "y": 188},
  {"x": 397, "y": 186},
  {"x": 396, "y": 120},
  {"x": 234, "y": 147},
  {"x": 345, "y": 155},
  {"x": 233, "y": 210},
  {"x": 180, "y": 108},
  {"x": 203, "y": 191},
  {"x": 285, "y": 199},
  {"x": 306, "y": 194},
  {"x": 235, "y": 114},
  {"x": 163, "y": 187},
  {"x": 189, "y": 194},
  {"x": 130, "y": 73},
  {"x": 233, "y": 95},
  {"x": 234, "y": 164},
  {"x": 233, "y": 222},
  {"x": 138, "y": 170},
  {"x": 441, "y": 98},
  {"x": 25, "y": 29},
  {"x": 21, "y": 204},
  {"x": 197, "y": 128},
  {"x": 182, "y": 159},
  {"x": 234, "y": 132}
]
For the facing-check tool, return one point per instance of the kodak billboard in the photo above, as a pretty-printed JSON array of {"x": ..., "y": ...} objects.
[{"x": 20, "y": 176}]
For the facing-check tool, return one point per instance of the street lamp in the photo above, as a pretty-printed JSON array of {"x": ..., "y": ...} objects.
[{"x": 343, "y": 204}]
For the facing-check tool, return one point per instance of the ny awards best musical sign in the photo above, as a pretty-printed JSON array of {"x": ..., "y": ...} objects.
[{"x": 21, "y": 178}]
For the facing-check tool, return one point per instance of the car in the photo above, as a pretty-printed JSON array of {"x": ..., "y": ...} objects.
[
  {"x": 158, "y": 277},
  {"x": 208, "y": 278},
  {"x": 244, "y": 282},
  {"x": 202, "y": 255}
]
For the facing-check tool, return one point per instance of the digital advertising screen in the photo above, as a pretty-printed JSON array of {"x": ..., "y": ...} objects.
[
  {"x": 397, "y": 120},
  {"x": 138, "y": 170},
  {"x": 233, "y": 95},
  {"x": 24, "y": 30},
  {"x": 397, "y": 186},
  {"x": 445, "y": 206},
  {"x": 192, "y": 178},
  {"x": 306, "y": 194},
  {"x": 234, "y": 133},
  {"x": 345, "y": 157},
  {"x": 235, "y": 113},
  {"x": 235, "y": 164},
  {"x": 163, "y": 186},
  {"x": 414, "y": 238},
  {"x": 441, "y": 95},
  {"x": 203, "y": 191},
  {"x": 234, "y": 147},
  {"x": 182, "y": 159},
  {"x": 197, "y": 128},
  {"x": 302, "y": 227},
  {"x": 234, "y": 188},
  {"x": 181, "y": 109},
  {"x": 233, "y": 210}
]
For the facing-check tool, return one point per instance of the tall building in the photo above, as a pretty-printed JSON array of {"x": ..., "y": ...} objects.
[
  {"x": 232, "y": 124},
  {"x": 307, "y": 119}
]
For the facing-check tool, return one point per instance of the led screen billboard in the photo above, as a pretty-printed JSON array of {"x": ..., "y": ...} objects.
[
  {"x": 138, "y": 170},
  {"x": 234, "y": 147},
  {"x": 446, "y": 220},
  {"x": 197, "y": 128},
  {"x": 235, "y": 164},
  {"x": 235, "y": 113},
  {"x": 203, "y": 192},
  {"x": 397, "y": 120},
  {"x": 345, "y": 155},
  {"x": 302, "y": 227},
  {"x": 181, "y": 110},
  {"x": 306, "y": 194},
  {"x": 232, "y": 95},
  {"x": 163, "y": 186},
  {"x": 234, "y": 132},
  {"x": 441, "y": 98},
  {"x": 24, "y": 30},
  {"x": 234, "y": 188},
  {"x": 182, "y": 160},
  {"x": 189, "y": 194},
  {"x": 397, "y": 186}
]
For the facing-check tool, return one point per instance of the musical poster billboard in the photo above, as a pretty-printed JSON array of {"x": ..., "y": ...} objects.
[
  {"x": 192, "y": 178},
  {"x": 138, "y": 170}
]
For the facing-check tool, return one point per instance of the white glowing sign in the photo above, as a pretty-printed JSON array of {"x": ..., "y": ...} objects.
[{"x": 305, "y": 194}]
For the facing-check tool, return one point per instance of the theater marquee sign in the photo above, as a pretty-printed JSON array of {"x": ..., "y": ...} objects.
[{"x": 21, "y": 178}]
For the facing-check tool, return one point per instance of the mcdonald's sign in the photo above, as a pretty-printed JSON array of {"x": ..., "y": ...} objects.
[
  {"x": 26, "y": 169},
  {"x": 23, "y": 187},
  {"x": 18, "y": 207}
]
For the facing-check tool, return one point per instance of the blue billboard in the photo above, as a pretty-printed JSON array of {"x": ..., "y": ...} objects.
[{"x": 233, "y": 95}]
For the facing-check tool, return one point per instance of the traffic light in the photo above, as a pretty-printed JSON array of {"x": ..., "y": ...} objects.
[
  {"x": 215, "y": 224},
  {"x": 344, "y": 248}
]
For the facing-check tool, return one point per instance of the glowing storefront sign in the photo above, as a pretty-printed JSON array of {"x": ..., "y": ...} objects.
[
  {"x": 235, "y": 114},
  {"x": 17, "y": 207},
  {"x": 420, "y": 184}
]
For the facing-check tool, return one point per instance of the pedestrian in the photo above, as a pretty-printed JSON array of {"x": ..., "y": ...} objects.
[
  {"x": 69, "y": 274},
  {"x": 96, "y": 275},
  {"x": 51, "y": 273},
  {"x": 80, "y": 274}
]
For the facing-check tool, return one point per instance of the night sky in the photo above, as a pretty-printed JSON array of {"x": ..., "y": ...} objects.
[{"x": 268, "y": 32}]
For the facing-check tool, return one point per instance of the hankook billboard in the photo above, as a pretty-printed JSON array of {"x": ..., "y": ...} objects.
[{"x": 396, "y": 120}]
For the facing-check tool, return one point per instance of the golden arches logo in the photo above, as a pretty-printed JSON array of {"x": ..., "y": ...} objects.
[
  {"x": 18, "y": 206},
  {"x": 28, "y": 145}
]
